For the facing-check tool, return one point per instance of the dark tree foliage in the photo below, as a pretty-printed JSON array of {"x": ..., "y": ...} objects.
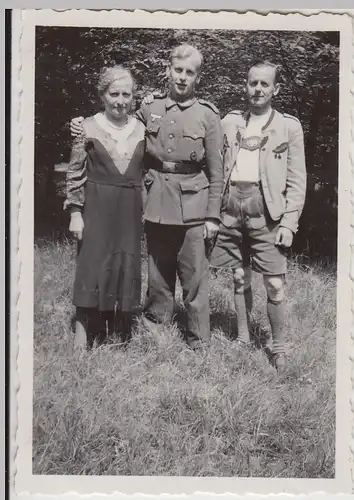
[{"x": 68, "y": 62}]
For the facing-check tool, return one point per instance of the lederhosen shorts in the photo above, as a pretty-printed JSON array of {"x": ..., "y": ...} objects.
[{"x": 247, "y": 233}]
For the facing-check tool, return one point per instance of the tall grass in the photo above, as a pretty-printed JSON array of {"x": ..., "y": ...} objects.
[{"x": 157, "y": 408}]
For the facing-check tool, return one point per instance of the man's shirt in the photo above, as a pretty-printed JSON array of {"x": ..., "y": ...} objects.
[{"x": 247, "y": 163}]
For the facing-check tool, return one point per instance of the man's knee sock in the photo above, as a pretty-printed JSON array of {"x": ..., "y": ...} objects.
[
  {"x": 242, "y": 319},
  {"x": 276, "y": 315}
]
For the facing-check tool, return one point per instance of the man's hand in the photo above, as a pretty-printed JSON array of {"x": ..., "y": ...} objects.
[
  {"x": 76, "y": 128},
  {"x": 76, "y": 226},
  {"x": 211, "y": 228},
  {"x": 148, "y": 99},
  {"x": 284, "y": 237}
]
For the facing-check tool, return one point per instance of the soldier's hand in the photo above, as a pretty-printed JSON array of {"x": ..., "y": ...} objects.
[
  {"x": 76, "y": 226},
  {"x": 211, "y": 228},
  {"x": 284, "y": 237},
  {"x": 148, "y": 99},
  {"x": 76, "y": 128}
]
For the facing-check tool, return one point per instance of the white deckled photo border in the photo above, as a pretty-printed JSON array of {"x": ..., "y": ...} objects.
[{"x": 23, "y": 482}]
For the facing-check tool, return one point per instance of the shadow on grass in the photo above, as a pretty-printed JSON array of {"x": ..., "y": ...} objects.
[{"x": 227, "y": 323}]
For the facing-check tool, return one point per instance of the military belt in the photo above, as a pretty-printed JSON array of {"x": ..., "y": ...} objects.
[{"x": 171, "y": 167}]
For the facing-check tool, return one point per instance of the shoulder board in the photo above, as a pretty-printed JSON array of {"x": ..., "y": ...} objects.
[
  {"x": 210, "y": 105},
  {"x": 291, "y": 116}
]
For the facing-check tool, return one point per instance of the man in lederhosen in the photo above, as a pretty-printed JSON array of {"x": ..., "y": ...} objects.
[{"x": 264, "y": 193}]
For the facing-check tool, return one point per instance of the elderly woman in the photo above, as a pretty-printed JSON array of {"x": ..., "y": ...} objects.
[{"x": 105, "y": 202}]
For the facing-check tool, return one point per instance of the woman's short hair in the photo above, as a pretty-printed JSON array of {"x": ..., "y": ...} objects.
[
  {"x": 111, "y": 74},
  {"x": 185, "y": 50}
]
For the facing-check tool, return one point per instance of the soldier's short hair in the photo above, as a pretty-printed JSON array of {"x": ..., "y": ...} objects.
[
  {"x": 265, "y": 62},
  {"x": 110, "y": 74},
  {"x": 185, "y": 50}
]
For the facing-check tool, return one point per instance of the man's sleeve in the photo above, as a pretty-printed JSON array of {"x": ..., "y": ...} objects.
[
  {"x": 296, "y": 177},
  {"x": 214, "y": 167}
]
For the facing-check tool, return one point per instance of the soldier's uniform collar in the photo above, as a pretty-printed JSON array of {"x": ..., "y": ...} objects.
[{"x": 170, "y": 103}]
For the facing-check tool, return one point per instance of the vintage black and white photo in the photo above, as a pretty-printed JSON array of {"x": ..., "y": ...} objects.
[{"x": 187, "y": 252}]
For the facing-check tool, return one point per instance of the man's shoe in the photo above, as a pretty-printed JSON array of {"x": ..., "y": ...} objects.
[
  {"x": 151, "y": 326},
  {"x": 279, "y": 362}
]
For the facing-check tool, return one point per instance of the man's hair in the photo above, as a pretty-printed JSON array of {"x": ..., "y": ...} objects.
[
  {"x": 185, "y": 50},
  {"x": 265, "y": 62},
  {"x": 110, "y": 74}
]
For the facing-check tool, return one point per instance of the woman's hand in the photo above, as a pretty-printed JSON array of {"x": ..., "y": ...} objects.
[
  {"x": 76, "y": 226},
  {"x": 76, "y": 128}
]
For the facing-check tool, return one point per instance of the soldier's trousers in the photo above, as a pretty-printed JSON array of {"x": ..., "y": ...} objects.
[{"x": 178, "y": 251}]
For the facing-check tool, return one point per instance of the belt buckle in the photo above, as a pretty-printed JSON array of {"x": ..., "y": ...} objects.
[{"x": 168, "y": 166}]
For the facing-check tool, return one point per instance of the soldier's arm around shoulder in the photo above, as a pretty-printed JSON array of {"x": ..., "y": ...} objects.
[
  {"x": 143, "y": 112},
  {"x": 214, "y": 168}
]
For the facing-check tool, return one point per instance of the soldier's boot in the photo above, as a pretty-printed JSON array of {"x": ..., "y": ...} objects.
[{"x": 150, "y": 325}]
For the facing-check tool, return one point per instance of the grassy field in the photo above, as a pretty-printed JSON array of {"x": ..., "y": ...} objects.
[{"x": 157, "y": 408}]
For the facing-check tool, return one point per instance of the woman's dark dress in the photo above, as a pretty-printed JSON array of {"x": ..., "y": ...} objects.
[{"x": 109, "y": 258}]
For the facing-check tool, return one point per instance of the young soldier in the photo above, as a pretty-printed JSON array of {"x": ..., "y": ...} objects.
[
  {"x": 264, "y": 193},
  {"x": 183, "y": 187}
]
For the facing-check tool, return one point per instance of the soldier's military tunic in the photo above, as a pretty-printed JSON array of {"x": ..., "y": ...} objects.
[{"x": 184, "y": 183}]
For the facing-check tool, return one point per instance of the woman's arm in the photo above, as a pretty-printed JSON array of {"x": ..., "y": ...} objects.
[{"x": 75, "y": 186}]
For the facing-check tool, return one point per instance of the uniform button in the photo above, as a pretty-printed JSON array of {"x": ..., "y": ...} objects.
[
  {"x": 196, "y": 186},
  {"x": 171, "y": 136},
  {"x": 167, "y": 177},
  {"x": 172, "y": 121},
  {"x": 169, "y": 150},
  {"x": 195, "y": 136},
  {"x": 174, "y": 109}
]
